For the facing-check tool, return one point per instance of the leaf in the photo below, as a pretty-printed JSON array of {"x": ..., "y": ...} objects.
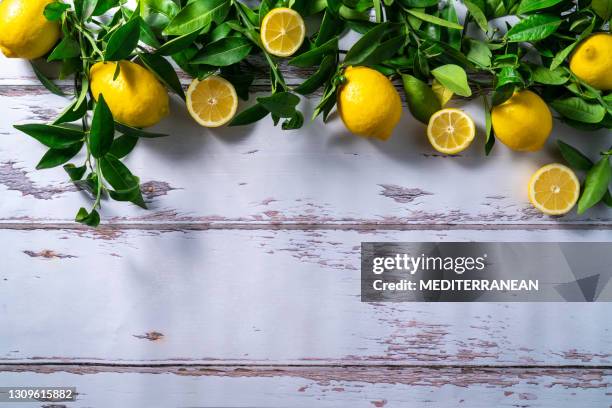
[
  {"x": 573, "y": 157},
  {"x": 489, "y": 137},
  {"x": 164, "y": 71},
  {"x": 57, "y": 157},
  {"x": 508, "y": 76},
  {"x": 533, "y": 28},
  {"x": 250, "y": 115},
  {"x": 502, "y": 94},
  {"x": 479, "y": 52},
  {"x": 295, "y": 122},
  {"x": 91, "y": 219},
  {"x": 103, "y": 6},
  {"x": 527, "y": 6},
  {"x": 578, "y": 109},
  {"x": 123, "y": 145},
  {"x": 603, "y": 8},
  {"x": 562, "y": 55},
  {"x": 75, "y": 173},
  {"x": 55, "y": 10},
  {"x": 454, "y": 78},
  {"x": 67, "y": 48},
  {"x": 366, "y": 44},
  {"x": 434, "y": 20},
  {"x": 547, "y": 76},
  {"x": 122, "y": 42},
  {"x": 595, "y": 185},
  {"x": 329, "y": 28},
  {"x": 418, "y": 3},
  {"x": 478, "y": 15},
  {"x": 225, "y": 52},
  {"x": 70, "y": 115},
  {"x": 316, "y": 80},
  {"x": 281, "y": 104},
  {"x": 453, "y": 37},
  {"x": 47, "y": 83},
  {"x": 197, "y": 15},
  {"x": 128, "y": 130},
  {"x": 116, "y": 173},
  {"x": 178, "y": 44},
  {"x": 158, "y": 13},
  {"x": 314, "y": 56},
  {"x": 385, "y": 51},
  {"x": 56, "y": 137},
  {"x": 422, "y": 101},
  {"x": 102, "y": 130}
]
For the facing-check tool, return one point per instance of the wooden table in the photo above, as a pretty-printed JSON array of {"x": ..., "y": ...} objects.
[{"x": 240, "y": 286}]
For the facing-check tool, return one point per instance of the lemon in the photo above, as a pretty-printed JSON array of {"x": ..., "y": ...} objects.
[
  {"x": 451, "y": 131},
  {"x": 554, "y": 189},
  {"x": 212, "y": 102},
  {"x": 282, "y": 32},
  {"x": 24, "y": 30},
  {"x": 136, "y": 98},
  {"x": 592, "y": 61},
  {"x": 368, "y": 103},
  {"x": 523, "y": 122}
]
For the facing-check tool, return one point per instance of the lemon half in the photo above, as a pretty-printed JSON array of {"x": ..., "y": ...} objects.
[
  {"x": 282, "y": 32},
  {"x": 212, "y": 102},
  {"x": 554, "y": 189},
  {"x": 451, "y": 131}
]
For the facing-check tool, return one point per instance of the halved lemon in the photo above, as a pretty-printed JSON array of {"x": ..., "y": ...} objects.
[
  {"x": 282, "y": 31},
  {"x": 212, "y": 102},
  {"x": 554, "y": 189},
  {"x": 450, "y": 131}
]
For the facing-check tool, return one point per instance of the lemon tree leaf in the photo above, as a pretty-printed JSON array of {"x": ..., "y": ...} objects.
[
  {"x": 547, "y": 76},
  {"x": 224, "y": 52},
  {"x": 527, "y": 6},
  {"x": 57, "y": 137},
  {"x": 478, "y": 15},
  {"x": 314, "y": 56},
  {"x": 57, "y": 157},
  {"x": 197, "y": 15},
  {"x": 164, "y": 71},
  {"x": 102, "y": 130},
  {"x": 281, "y": 104},
  {"x": 434, "y": 20},
  {"x": 454, "y": 78},
  {"x": 250, "y": 115},
  {"x": 533, "y": 28},
  {"x": 603, "y": 8},
  {"x": 366, "y": 44},
  {"x": 122, "y": 42},
  {"x": 595, "y": 185},
  {"x": 578, "y": 109},
  {"x": 574, "y": 157},
  {"x": 422, "y": 101}
]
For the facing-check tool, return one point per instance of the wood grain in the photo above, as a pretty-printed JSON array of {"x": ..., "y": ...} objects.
[
  {"x": 261, "y": 297},
  {"x": 277, "y": 386}
]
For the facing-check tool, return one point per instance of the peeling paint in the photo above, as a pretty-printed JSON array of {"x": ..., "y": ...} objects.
[
  {"x": 151, "y": 336},
  {"x": 47, "y": 254},
  {"x": 402, "y": 194}
]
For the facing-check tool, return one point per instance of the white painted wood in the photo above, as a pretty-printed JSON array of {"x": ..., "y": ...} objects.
[
  {"x": 261, "y": 174},
  {"x": 320, "y": 387},
  {"x": 263, "y": 297}
]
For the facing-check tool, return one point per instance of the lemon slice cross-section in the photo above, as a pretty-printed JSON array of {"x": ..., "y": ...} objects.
[
  {"x": 554, "y": 189},
  {"x": 212, "y": 102},
  {"x": 282, "y": 32},
  {"x": 451, "y": 131}
]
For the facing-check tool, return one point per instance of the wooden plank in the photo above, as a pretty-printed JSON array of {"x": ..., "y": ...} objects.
[
  {"x": 277, "y": 386},
  {"x": 262, "y": 297},
  {"x": 261, "y": 174}
]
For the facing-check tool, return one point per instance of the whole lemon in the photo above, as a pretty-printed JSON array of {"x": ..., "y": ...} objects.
[
  {"x": 592, "y": 61},
  {"x": 523, "y": 122},
  {"x": 368, "y": 103},
  {"x": 136, "y": 98},
  {"x": 24, "y": 31}
]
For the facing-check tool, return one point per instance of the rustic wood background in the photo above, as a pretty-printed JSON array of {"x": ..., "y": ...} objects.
[{"x": 240, "y": 286}]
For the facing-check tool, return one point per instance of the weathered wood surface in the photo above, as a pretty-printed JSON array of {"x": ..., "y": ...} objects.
[
  {"x": 263, "y": 296},
  {"x": 372, "y": 387}
]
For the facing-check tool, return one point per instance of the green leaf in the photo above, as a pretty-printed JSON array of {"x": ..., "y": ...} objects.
[
  {"x": 47, "y": 83},
  {"x": 197, "y": 15},
  {"x": 122, "y": 42},
  {"x": 225, "y": 52},
  {"x": 316, "y": 80},
  {"x": 595, "y": 185},
  {"x": 527, "y": 6},
  {"x": 55, "y": 10},
  {"x": 57, "y": 157},
  {"x": 479, "y": 52},
  {"x": 56, "y": 137},
  {"x": 102, "y": 130},
  {"x": 453, "y": 37},
  {"x": 454, "y": 78},
  {"x": 250, "y": 115},
  {"x": 330, "y": 27},
  {"x": 158, "y": 13},
  {"x": 281, "y": 104},
  {"x": 117, "y": 174},
  {"x": 178, "y": 44},
  {"x": 489, "y": 137},
  {"x": 103, "y": 6},
  {"x": 418, "y": 3},
  {"x": 67, "y": 48},
  {"x": 128, "y": 130},
  {"x": 562, "y": 55},
  {"x": 70, "y": 115},
  {"x": 164, "y": 71},
  {"x": 576, "y": 108},
  {"x": 366, "y": 44},
  {"x": 508, "y": 76},
  {"x": 314, "y": 56},
  {"x": 502, "y": 94},
  {"x": 123, "y": 145},
  {"x": 75, "y": 173},
  {"x": 422, "y": 101},
  {"x": 91, "y": 219},
  {"x": 533, "y": 28},
  {"x": 603, "y": 8},
  {"x": 547, "y": 76},
  {"x": 478, "y": 15},
  {"x": 434, "y": 20},
  {"x": 385, "y": 51},
  {"x": 574, "y": 157}
]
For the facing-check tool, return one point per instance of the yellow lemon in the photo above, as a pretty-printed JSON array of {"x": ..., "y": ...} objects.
[
  {"x": 451, "y": 131},
  {"x": 592, "y": 61},
  {"x": 212, "y": 102},
  {"x": 523, "y": 122},
  {"x": 368, "y": 103},
  {"x": 136, "y": 98},
  {"x": 282, "y": 32},
  {"x": 554, "y": 189},
  {"x": 24, "y": 30}
]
